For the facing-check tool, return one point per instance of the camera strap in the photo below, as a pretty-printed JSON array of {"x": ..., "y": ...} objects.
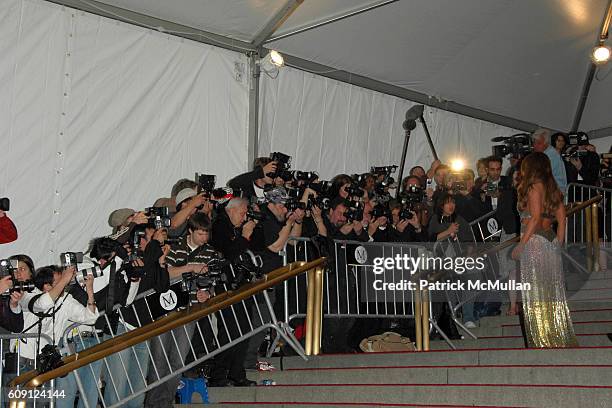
[{"x": 110, "y": 298}]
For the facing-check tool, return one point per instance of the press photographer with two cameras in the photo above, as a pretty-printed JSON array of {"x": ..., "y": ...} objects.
[{"x": 8, "y": 231}]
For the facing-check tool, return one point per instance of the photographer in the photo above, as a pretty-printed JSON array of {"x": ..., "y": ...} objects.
[
  {"x": 8, "y": 232},
  {"x": 123, "y": 220},
  {"x": 51, "y": 310},
  {"x": 191, "y": 254},
  {"x": 232, "y": 231},
  {"x": 148, "y": 272},
  {"x": 10, "y": 311},
  {"x": 469, "y": 205},
  {"x": 189, "y": 202},
  {"x": 252, "y": 184}
]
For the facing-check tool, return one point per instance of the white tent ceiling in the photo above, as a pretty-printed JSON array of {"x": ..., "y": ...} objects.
[{"x": 523, "y": 59}]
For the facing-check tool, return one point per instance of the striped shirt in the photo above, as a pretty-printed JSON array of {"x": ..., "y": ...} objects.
[{"x": 181, "y": 254}]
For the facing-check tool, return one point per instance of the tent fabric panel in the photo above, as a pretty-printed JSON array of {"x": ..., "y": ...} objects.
[
  {"x": 141, "y": 109},
  {"x": 352, "y": 128}
]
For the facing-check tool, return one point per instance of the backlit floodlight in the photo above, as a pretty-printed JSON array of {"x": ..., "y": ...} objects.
[
  {"x": 271, "y": 63},
  {"x": 601, "y": 54}
]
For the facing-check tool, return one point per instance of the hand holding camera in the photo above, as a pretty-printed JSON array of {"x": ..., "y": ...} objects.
[{"x": 248, "y": 228}]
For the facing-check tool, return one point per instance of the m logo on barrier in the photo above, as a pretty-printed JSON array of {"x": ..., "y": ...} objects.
[
  {"x": 168, "y": 300},
  {"x": 492, "y": 226},
  {"x": 361, "y": 255}
]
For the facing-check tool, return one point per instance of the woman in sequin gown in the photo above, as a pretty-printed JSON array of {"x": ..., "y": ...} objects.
[{"x": 546, "y": 314}]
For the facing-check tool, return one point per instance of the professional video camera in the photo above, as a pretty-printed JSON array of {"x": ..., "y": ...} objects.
[
  {"x": 68, "y": 259},
  {"x": 158, "y": 217},
  {"x": 572, "y": 151},
  {"x": 5, "y": 204},
  {"x": 283, "y": 164},
  {"x": 515, "y": 146},
  {"x": 8, "y": 268}
]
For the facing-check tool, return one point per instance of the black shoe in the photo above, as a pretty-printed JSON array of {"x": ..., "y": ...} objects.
[
  {"x": 245, "y": 382},
  {"x": 220, "y": 382}
]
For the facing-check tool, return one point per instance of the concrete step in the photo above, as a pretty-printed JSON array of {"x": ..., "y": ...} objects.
[
  {"x": 513, "y": 342},
  {"x": 582, "y": 315},
  {"x": 466, "y": 357},
  {"x": 467, "y": 394},
  {"x": 495, "y": 374},
  {"x": 514, "y": 329}
]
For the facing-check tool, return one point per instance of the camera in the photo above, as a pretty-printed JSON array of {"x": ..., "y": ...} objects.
[
  {"x": 5, "y": 204},
  {"x": 253, "y": 215},
  {"x": 206, "y": 183},
  {"x": 354, "y": 190},
  {"x": 354, "y": 212},
  {"x": 381, "y": 210},
  {"x": 283, "y": 163},
  {"x": 578, "y": 139},
  {"x": 383, "y": 170},
  {"x": 515, "y": 146},
  {"x": 7, "y": 268},
  {"x": 321, "y": 188},
  {"x": 73, "y": 258},
  {"x": 572, "y": 152},
  {"x": 49, "y": 359},
  {"x": 294, "y": 204},
  {"x": 308, "y": 176},
  {"x": 158, "y": 217},
  {"x": 413, "y": 195},
  {"x": 321, "y": 202}
]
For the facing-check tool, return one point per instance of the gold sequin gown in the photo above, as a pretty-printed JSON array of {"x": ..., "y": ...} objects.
[{"x": 548, "y": 323}]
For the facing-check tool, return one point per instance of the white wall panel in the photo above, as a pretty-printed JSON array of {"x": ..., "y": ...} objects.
[
  {"x": 341, "y": 128},
  {"x": 109, "y": 115}
]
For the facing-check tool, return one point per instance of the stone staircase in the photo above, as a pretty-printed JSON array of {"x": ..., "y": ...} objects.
[{"x": 492, "y": 371}]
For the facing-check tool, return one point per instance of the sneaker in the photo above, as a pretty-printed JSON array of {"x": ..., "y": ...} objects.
[{"x": 470, "y": 325}]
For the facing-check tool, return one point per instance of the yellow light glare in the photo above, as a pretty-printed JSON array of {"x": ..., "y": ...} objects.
[
  {"x": 457, "y": 165},
  {"x": 601, "y": 54}
]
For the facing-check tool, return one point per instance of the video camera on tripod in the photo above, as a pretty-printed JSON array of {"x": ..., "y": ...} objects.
[{"x": 8, "y": 268}]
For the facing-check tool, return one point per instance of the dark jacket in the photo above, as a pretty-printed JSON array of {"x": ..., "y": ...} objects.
[
  {"x": 12, "y": 322},
  {"x": 244, "y": 182},
  {"x": 228, "y": 239},
  {"x": 506, "y": 214}
]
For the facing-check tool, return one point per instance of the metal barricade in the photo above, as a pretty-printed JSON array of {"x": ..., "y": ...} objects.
[
  {"x": 589, "y": 232},
  {"x": 129, "y": 374},
  {"x": 4, "y": 338},
  {"x": 346, "y": 282}
]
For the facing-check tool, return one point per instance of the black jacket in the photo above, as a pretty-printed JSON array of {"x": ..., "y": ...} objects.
[
  {"x": 506, "y": 215},
  {"x": 12, "y": 322},
  {"x": 244, "y": 182},
  {"x": 228, "y": 239}
]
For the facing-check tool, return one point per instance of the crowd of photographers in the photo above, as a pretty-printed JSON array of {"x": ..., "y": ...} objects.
[{"x": 203, "y": 240}]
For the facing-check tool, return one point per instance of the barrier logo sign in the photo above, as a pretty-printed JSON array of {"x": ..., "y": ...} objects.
[
  {"x": 492, "y": 226},
  {"x": 361, "y": 255},
  {"x": 168, "y": 300}
]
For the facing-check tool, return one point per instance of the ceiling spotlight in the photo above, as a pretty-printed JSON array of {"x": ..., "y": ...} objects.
[
  {"x": 271, "y": 63},
  {"x": 601, "y": 54}
]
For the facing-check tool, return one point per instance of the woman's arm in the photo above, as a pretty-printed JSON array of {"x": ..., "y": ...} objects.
[{"x": 561, "y": 223}]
